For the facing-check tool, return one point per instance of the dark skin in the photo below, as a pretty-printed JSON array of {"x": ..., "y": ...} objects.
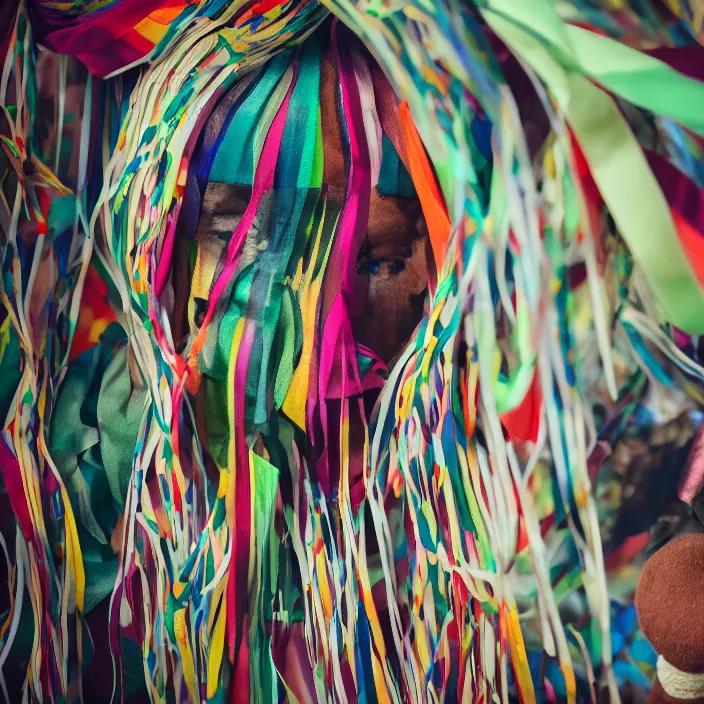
[
  {"x": 392, "y": 266},
  {"x": 392, "y": 273}
]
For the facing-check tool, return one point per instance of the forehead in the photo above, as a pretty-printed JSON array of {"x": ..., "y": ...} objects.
[{"x": 231, "y": 145}]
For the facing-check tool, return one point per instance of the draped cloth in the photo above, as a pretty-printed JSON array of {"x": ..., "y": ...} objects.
[{"x": 202, "y": 201}]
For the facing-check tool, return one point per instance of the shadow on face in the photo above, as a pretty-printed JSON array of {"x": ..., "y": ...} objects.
[
  {"x": 392, "y": 266},
  {"x": 392, "y": 270}
]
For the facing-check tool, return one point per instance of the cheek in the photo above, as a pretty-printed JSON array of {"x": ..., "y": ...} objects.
[
  {"x": 210, "y": 249},
  {"x": 394, "y": 295},
  {"x": 397, "y": 292},
  {"x": 221, "y": 211}
]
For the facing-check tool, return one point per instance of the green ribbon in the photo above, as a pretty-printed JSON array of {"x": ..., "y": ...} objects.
[{"x": 616, "y": 160}]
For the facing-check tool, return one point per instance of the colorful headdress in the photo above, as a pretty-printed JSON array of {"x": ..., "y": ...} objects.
[{"x": 293, "y": 520}]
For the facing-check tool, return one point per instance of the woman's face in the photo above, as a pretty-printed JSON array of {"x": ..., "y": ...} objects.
[
  {"x": 392, "y": 264},
  {"x": 392, "y": 269}
]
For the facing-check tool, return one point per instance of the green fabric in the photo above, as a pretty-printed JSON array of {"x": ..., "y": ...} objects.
[
  {"x": 77, "y": 429},
  {"x": 215, "y": 402},
  {"x": 394, "y": 179},
  {"x": 100, "y": 580},
  {"x": 265, "y": 490},
  {"x": 10, "y": 356},
  {"x": 61, "y": 215},
  {"x": 234, "y": 162},
  {"x": 631, "y": 74},
  {"x": 618, "y": 165},
  {"x": 82, "y": 446},
  {"x": 120, "y": 408}
]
